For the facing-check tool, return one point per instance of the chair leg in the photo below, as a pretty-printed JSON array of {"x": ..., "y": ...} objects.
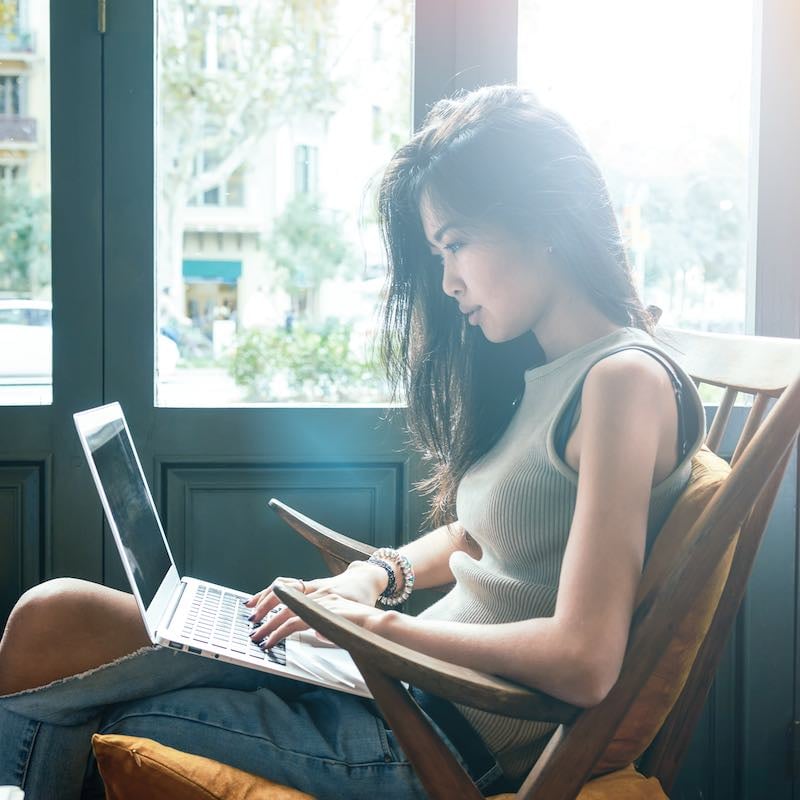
[{"x": 437, "y": 768}]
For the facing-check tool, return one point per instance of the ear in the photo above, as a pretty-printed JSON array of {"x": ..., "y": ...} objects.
[{"x": 655, "y": 313}]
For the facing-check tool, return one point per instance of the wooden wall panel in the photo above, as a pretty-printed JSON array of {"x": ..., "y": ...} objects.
[
  {"x": 22, "y": 530},
  {"x": 220, "y": 528}
]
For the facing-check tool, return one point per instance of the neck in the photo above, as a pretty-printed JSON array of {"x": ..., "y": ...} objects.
[{"x": 570, "y": 324}]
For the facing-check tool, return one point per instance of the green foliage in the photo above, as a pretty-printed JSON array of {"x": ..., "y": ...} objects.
[
  {"x": 307, "y": 246},
  {"x": 274, "y": 63},
  {"x": 696, "y": 221},
  {"x": 316, "y": 364},
  {"x": 8, "y": 13},
  {"x": 24, "y": 240},
  {"x": 694, "y": 215}
]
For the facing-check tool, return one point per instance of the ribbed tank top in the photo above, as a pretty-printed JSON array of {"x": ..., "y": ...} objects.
[{"x": 517, "y": 502}]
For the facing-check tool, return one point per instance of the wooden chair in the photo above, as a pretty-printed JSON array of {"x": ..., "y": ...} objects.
[
  {"x": 723, "y": 537},
  {"x": 686, "y": 603}
]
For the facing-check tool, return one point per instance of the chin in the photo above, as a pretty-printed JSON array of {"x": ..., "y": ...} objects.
[{"x": 499, "y": 336}]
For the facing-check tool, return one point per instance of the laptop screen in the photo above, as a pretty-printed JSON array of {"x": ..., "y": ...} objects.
[{"x": 131, "y": 507}]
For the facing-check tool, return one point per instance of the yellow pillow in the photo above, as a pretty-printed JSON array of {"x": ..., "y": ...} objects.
[
  {"x": 663, "y": 687},
  {"x": 624, "y": 784},
  {"x": 141, "y": 769}
]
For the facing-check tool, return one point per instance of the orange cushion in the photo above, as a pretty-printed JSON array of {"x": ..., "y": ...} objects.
[
  {"x": 659, "y": 694},
  {"x": 624, "y": 784},
  {"x": 141, "y": 769}
]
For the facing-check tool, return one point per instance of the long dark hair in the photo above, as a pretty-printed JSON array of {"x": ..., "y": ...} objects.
[{"x": 494, "y": 156}]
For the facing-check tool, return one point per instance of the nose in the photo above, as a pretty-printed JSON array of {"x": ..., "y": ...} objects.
[{"x": 452, "y": 285}]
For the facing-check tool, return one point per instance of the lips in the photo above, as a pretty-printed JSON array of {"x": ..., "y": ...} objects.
[{"x": 471, "y": 314}]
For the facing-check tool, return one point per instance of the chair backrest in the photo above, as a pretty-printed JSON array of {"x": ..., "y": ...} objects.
[
  {"x": 763, "y": 368},
  {"x": 696, "y": 576}
]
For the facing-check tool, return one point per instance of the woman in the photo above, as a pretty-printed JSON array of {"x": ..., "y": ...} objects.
[{"x": 550, "y": 417}]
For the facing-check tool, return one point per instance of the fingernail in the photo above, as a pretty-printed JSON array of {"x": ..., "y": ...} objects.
[{"x": 251, "y": 617}]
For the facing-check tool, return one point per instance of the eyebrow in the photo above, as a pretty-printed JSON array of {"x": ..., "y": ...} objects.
[
  {"x": 441, "y": 232},
  {"x": 437, "y": 237}
]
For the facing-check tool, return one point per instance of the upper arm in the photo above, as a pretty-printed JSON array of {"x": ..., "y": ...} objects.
[{"x": 625, "y": 411}]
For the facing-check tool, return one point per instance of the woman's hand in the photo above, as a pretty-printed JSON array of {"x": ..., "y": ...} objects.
[{"x": 352, "y": 594}]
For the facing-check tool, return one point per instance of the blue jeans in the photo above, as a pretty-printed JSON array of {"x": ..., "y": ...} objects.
[{"x": 316, "y": 740}]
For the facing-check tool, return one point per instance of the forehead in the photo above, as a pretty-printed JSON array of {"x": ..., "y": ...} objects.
[{"x": 432, "y": 218}]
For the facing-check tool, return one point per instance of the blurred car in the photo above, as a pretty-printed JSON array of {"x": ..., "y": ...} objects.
[
  {"x": 26, "y": 339},
  {"x": 26, "y": 343}
]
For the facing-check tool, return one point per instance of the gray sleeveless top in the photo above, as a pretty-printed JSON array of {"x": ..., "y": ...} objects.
[{"x": 518, "y": 501}]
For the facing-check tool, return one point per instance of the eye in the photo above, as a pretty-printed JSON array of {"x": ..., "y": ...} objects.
[{"x": 453, "y": 247}]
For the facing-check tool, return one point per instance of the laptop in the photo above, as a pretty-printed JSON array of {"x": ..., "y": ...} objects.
[{"x": 185, "y": 613}]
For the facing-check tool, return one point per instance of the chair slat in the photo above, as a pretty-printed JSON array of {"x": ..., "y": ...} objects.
[
  {"x": 441, "y": 775},
  {"x": 748, "y": 363},
  {"x": 754, "y": 418},
  {"x": 720, "y": 421}
]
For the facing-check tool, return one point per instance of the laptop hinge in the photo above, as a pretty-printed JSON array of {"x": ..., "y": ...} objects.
[{"x": 174, "y": 603}]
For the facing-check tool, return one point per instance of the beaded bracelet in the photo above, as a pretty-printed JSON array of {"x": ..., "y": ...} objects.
[
  {"x": 392, "y": 596},
  {"x": 391, "y": 586}
]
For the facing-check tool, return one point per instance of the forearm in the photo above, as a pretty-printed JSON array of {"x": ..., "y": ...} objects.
[
  {"x": 536, "y": 653},
  {"x": 429, "y": 556}
]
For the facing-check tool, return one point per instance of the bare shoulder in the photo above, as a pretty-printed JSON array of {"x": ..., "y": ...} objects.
[
  {"x": 629, "y": 409},
  {"x": 625, "y": 379}
]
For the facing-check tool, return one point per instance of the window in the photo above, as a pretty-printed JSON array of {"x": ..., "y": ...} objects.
[
  {"x": 10, "y": 92},
  {"x": 377, "y": 124},
  {"x": 25, "y": 268},
  {"x": 229, "y": 192},
  {"x": 228, "y": 38},
  {"x": 306, "y": 125},
  {"x": 671, "y": 135},
  {"x": 377, "y": 44},
  {"x": 234, "y": 188},
  {"x": 306, "y": 172},
  {"x": 10, "y": 175}
]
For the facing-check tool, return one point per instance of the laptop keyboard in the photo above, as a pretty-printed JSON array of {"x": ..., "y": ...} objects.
[{"x": 220, "y": 618}]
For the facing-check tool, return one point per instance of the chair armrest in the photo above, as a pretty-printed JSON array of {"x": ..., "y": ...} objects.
[
  {"x": 340, "y": 547},
  {"x": 455, "y": 683},
  {"x": 337, "y": 550}
]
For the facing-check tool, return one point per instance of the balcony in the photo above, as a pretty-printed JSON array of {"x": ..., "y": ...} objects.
[
  {"x": 16, "y": 41},
  {"x": 17, "y": 129}
]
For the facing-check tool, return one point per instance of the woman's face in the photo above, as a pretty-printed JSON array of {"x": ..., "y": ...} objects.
[{"x": 498, "y": 284}]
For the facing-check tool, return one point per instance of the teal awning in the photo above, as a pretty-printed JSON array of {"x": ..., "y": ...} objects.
[{"x": 200, "y": 269}]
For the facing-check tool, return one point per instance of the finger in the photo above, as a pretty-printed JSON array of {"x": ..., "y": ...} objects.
[
  {"x": 262, "y": 627},
  {"x": 266, "y": 604},
  {"x": 253, "y": 600},
  {"x": 268, "y": 599},
  {"x": 286, "y": 629},
  {"x": 272, "y": 622}
]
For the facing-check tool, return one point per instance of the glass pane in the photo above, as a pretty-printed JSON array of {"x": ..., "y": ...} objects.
[
  {"x": 26, "y": 332},
  {"x": 275, "y": 121},
  {"x": 660, "y": 94}
]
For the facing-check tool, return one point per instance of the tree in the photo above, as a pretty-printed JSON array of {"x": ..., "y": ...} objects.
[
  {"x": 696, "y": 221},
  {"x": 8, "y": 13},
  {"x": 24, "y": 240},
  {"x": 219, "y": 96},
  {"x": 315, "y": 363},
  {"x": 307, "y": 246}
]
